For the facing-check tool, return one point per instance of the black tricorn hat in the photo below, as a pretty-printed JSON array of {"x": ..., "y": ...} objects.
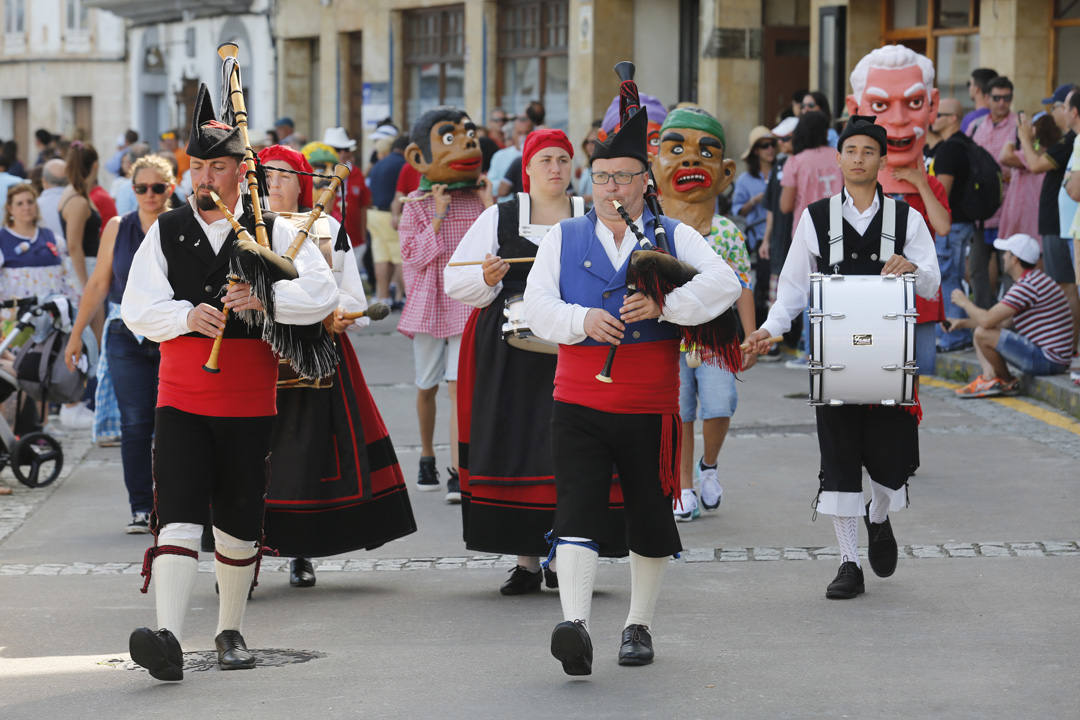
[
  {"x": 864, "y": 125},
  {"x": 631, "y": 140},
  {"x": 209, "y": 137}
]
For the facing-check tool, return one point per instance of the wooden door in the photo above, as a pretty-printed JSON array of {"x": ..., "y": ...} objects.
[
  {"x": 785, "y": 54},
  {"x": 20, "y": 127},
  {"x": 83, "y": 116},
  {"x": 354, "y": 86}
]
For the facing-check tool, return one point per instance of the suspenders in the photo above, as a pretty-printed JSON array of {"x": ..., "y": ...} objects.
[{"x": 836, "y": 229}]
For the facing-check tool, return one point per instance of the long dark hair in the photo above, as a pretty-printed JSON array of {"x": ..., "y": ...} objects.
[
  {"x": 80, "y": 160},
  {"x": 822, "y": 103},
  {"x": 811, "y": 132},
  {"x": 1046, "y": 132}
]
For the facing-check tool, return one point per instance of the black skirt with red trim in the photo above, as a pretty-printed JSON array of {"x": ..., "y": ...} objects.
[
  {"x": 504, "y": 440},
  {"x": 335, "y": 481}
]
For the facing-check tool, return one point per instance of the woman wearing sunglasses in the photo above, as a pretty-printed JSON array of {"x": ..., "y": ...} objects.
[{"x": 132, "y": 360}]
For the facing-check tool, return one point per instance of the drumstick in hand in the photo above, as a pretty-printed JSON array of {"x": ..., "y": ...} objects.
[
  {"x": 774, "y": 339},
  {"x": 463, "y": 263},
  {"x": 375, "y": 311}
]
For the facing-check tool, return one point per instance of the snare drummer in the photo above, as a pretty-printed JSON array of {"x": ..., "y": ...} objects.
[
  {"x": 881, "y": 439},
  {"x": 504, "y": 392}
]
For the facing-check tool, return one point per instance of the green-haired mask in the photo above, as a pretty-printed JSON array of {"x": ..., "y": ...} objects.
[{"x": 694, "y": 118}]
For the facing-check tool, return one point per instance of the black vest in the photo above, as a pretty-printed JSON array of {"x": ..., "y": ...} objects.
[
  {"x": 860, "y": 251},
  {"x": 195, "y": 272}
]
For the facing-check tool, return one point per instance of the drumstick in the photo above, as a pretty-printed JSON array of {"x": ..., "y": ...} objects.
[
  {"x": 773, "y": 339},
  {"x": 375, "y": 311},
  {"x": 481, "y": 262}
]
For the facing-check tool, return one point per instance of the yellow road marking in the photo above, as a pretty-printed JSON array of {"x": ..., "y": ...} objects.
[{"x": 1050, "y": 417}]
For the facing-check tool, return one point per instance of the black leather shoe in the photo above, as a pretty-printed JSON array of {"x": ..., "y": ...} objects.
[
  {"x": 636, "y": 648},
  {"x": 301, "y": 573},
  {"x": 572, "y": 646},
  {"x": 847, "y": 584},
  {"x": 232, "y": 652},
  {"x": 551, "y": 579},
  {"x": 159, "y": 652},
  {"x": 882, "y": 546},
  {"x": 521, "y": 582}
]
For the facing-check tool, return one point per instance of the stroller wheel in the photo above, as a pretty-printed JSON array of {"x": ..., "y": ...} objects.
[{"x": 36, "y": 459}]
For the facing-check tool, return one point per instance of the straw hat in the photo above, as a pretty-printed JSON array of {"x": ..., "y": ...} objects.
[{"x": 756, "y": 134}]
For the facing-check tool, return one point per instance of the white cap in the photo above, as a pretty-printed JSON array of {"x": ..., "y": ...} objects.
[
  {"x": 337, "y": 138},
  {"x": 1022, "y": 246},
  {"x": 383, "y": 131},
  {"x": 786, "y": 127}
]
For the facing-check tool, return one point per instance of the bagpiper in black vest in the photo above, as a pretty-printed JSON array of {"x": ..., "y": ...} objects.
[{"x": 858, "y": 254}]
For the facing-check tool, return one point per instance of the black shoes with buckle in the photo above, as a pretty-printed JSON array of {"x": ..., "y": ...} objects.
[
  {"x": 521, "y": 582},
  {"x": 636, "y": 648},
  {"x": 572, "y": 646},
  {"x": 301, "y": 573},
  {"x": 159, "y": 652},
  {"x": 847, "y": 584},
  {"x": 881, "y": 549},
  {"x": 232, "y": 652}
]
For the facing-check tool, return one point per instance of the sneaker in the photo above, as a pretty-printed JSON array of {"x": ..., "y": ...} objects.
[
  {"x": 453, "y": 487},
  {"x": 1075, "y": 377},
  {"x": 980, "y": 387},
  {"x": 139, "y": 525},
  {"x": 687, "y": 508},
  {"x": 711, "y": 492},
  {"x": 428, "y": 478},
  {"x": 799, "y": 363},
  {"x": 76, "y": 416}
]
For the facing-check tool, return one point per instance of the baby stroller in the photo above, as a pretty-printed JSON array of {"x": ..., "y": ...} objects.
[{"x": 39, "y": 373}]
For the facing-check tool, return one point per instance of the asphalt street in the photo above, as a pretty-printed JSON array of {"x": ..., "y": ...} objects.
[{"x": 979, "y": 620}]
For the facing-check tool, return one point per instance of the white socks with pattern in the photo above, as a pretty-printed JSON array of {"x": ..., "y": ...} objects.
[
  {"x": 879, "y": 504},
  {"x": 847, "y": 536},
  {"x": 646, "y": 574},
  {"x": 234, "y": 582},
  {"x": 577, "y": 575},
  {"x": 174, "y": 579}
]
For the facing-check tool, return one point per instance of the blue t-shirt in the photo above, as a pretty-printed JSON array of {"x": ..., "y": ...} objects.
[
  {"x": 17, "y": 251},
  {"x": 746, "y": 187},
  {"x": 382, "y": 180}
]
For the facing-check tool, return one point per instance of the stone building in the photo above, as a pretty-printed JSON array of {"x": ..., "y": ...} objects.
[{"x": 61, "y": 68}]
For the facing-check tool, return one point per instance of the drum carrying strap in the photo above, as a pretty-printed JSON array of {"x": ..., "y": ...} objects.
[
  {"x": 836, "y": 229},
  {"x": 528, "y": 230}
]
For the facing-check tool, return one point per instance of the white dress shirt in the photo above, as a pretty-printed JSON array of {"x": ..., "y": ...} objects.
[
  {"x": 793, "y": 287},
  {"x": 148, "y": 307},
  {"x": 467, "y": 284},
  {"x": 711, "y": 292},
  {"x": 351, "y": 295}
]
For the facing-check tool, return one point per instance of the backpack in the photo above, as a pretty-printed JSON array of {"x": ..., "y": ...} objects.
[
  {"x": 980, "y": 196},
  {"x": 41, "y": 373}
]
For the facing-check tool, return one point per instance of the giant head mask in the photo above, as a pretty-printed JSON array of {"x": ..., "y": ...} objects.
[
  {"x": 444, "y": 149},
  {"x": 690, "y": 168},
  {"x": 896, "y": 84},
  {"x": 654, "y": 109}
]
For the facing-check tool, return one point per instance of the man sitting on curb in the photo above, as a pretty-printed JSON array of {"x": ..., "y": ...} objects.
[{"x": 1039, "y": 344}]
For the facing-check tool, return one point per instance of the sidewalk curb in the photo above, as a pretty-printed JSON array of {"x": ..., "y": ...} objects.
[{"x": 1058, "y": 391}]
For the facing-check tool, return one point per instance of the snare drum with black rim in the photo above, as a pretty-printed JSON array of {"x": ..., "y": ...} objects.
[
  {"x": 862, "y": 339},
  {"x": 516, "y": 331}
]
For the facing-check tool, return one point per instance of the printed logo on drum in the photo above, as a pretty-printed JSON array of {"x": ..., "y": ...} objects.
[{"x": 864, "y": 339}]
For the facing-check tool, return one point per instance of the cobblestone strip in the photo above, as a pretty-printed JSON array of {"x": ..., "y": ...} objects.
[
  {"x": 992, "y": 549},
  {"x": 17, "y": 507}
]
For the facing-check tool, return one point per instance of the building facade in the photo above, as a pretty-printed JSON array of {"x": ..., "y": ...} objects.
[{"x": 62, "y": 68}]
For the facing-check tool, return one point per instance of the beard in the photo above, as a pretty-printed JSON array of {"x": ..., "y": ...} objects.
[{"x": 205, "y": 202}]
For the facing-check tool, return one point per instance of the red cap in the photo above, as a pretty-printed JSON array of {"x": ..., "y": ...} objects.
[
  {"x": 536, "y": 141},
  {"x": 298, "y": 162}
]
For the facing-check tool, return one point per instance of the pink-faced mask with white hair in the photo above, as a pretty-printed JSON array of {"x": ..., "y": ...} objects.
[{"x": 896, "y": 84}]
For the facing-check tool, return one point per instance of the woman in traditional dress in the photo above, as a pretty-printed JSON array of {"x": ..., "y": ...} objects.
[
  {"x": 505, "y": 389},
  {"x": 335, "y": 483}
]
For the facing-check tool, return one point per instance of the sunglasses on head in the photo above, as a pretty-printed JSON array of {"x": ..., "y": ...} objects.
[{"x": 156, "y": 188}]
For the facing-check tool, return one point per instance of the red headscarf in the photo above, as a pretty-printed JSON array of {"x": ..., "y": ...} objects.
[
  {"x": 298, "y": 162},
  {"x": 536, "y": 141}
]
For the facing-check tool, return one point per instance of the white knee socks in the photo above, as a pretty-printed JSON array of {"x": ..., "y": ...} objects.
[
  {"x": 577, "y": 575},
  {"x": 234, "y": 582},
  {"x": 847, "y": 535},
  {"x": 174, "y": 578},
  {"x": 879, "y": 503},
  {"x": 646, "y": 574}
]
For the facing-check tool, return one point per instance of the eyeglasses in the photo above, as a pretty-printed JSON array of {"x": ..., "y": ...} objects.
[
  {"x": 809, "y": 106},
  {"x": 620, "y": 178},
  {"x": 764, "y": 144},
  {"x": 786, "y": 138},
  {"x": 156, "y": 188},
  {"x": 941, "y": 114},
  {"x": 1001, "y": 98},
  {"x": 500, "y": 119}
]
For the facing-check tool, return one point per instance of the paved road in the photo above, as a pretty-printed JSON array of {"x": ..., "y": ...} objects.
[{"x": 979, "y": 620}]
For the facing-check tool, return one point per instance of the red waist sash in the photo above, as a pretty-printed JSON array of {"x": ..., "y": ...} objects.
[
  {"x": 644, "y": 378},
  {"x": 245, "y": 387}
]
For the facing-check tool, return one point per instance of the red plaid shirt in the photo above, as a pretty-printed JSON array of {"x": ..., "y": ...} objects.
[{"x": 428, "y": 309}]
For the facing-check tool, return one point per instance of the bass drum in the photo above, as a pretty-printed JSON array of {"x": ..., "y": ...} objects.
[{"x": 516, "y": 331}]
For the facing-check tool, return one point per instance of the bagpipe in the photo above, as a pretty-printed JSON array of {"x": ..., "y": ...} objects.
[
  {"x": 654, "y": 271},
  {"x": 309, "y": 349}
]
